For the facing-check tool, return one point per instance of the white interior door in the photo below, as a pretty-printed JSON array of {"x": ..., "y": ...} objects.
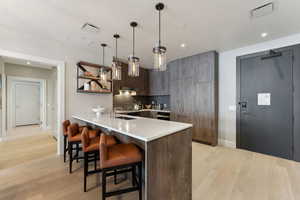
[{"x": 27, "y": 104}]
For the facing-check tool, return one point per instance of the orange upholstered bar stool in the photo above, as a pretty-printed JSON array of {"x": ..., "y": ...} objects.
[
  {"x": 74, "y": 138},
  {"x": 65, "y": 126},
  {"x": 90, "y": 146},
  {"x": 117, "y": 159}
]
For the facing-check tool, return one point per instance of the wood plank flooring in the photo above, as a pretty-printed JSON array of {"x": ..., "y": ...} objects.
[
  {"x": 218, "y": 174},
  {"x": 231, "y": 174},
  {"x": 21, "y": 150}
]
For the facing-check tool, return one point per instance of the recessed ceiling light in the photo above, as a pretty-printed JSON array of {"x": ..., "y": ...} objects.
[
  {"x": 264, "y": 35},
  {"x": 28, "y": 63},
  {"x": 183, "y": 45}
]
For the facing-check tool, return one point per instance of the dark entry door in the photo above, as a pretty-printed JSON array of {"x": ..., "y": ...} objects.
[{"x": 266, "y": 104}]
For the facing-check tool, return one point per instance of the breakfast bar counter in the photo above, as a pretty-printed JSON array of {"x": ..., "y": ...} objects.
[{"x": 167, "y": 150}]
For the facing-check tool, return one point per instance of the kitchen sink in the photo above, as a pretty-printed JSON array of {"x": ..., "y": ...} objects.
[{"x": 125, "y": 118}]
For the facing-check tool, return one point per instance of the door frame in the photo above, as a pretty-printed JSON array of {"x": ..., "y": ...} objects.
[
  {"x": 11, "y": 114},
  {"x": 292, "y": 48},
  {"x": 60, "y": 65}
]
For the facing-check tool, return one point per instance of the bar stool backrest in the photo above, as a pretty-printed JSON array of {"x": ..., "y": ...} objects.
[
  {"x": 103, "y": 148},
  {"x": 66, "y": 124},
  {"x": 73, "y": 129},
  {"x": 85, "y": 139}
]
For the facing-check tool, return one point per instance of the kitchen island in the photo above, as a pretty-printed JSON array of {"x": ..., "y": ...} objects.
[{"x": 167, "y": 150}]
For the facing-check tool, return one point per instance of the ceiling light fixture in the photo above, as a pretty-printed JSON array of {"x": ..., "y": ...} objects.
[
  {"x": 28, "y": 63},
  {"x": 102, "y": 71},
  {"x": 183, "y": 45},
  {"x": 264, "y": 35},
  {"x": 160, "y": 57},
  {"x": 116, "y": 67},
  {"x": 133, "y": 62}
]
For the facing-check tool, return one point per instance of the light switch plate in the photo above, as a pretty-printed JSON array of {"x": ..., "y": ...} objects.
[{"x": 232, "y": 108}]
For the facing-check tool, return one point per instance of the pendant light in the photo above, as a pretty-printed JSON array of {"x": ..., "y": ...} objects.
[
  {"x": 116, "y": 67},
  {"x": 102, "y": 70},
  {"x": 133, "y": 62},
  {"x": 160, "y": 60}
]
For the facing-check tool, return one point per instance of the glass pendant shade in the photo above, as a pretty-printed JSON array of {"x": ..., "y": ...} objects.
[
  {"x": 102, "y": 74},
  {"x": 133, "y": 66},
  {"x": 160, "y": 52},
  {"x": 116, "y": 66},
  {"x": 160, "y": 58},
  {"x": 133, "y": 62},
  {"x": 116, "y": 71}
]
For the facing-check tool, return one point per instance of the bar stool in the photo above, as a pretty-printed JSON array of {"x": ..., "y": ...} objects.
[
  {"x": 90, "y": 145},
  {"x": 119, "y": 158},
  {"x": 65, "y": 126},
  {"x": 74, "y": 138}
]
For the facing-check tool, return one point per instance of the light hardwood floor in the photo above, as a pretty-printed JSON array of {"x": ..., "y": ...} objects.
[
  {"x": 17, "y": 151},
  {"x": 25, "y": 131},
  {"x": 218, "y": 174}
]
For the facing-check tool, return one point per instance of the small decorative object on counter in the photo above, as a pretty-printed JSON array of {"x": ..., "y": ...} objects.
[
  {"x": 147, "y": 106},
  {"x": 98, "y": 110}
]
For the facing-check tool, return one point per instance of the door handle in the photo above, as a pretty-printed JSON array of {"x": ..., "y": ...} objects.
[{"x": 243, "y": 106}]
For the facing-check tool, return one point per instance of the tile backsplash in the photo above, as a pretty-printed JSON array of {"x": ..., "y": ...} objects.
[{"x": 126, "y": 101}]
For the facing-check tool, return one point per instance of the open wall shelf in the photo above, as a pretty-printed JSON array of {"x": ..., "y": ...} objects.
[{"x": 89, "y": 81}]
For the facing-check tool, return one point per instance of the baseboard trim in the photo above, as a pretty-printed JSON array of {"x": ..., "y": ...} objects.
[{"x": 227, "y": 143}]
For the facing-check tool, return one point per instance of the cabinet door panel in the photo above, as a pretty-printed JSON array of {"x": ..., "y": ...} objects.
[
  {"x": 159, "y": 82},
  {"x": 193, "y": 94}
]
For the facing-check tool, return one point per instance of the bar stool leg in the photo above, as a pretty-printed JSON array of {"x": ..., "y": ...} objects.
[
  {"x": 103, "y": 184},
  {"x": 133, "y": 175},
  {"x": 140, "y": 181},
  {"x": 70, "y": 156},
  {"x": 115, "y": 177},
  {"x": 95, "y": 161},
  {"x": 65, "y": 147},
  {"x": 77, "y": 152},
  {"x": 85, "y": 170}
]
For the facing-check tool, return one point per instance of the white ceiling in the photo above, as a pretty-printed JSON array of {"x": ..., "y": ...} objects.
[{"x": 202, "y": 24}]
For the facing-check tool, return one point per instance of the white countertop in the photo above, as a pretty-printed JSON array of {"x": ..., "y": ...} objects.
[
  {"x": 144, "y": 129},
  {"x": 142, "y": 110}
]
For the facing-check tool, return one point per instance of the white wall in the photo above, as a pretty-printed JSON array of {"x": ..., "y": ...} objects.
[
  {"x": 227, "y": 84},
  {"x": 27, "y": 44}
]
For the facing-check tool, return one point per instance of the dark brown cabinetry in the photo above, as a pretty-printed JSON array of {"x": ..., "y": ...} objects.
[
  {"x": 140, "y": 83},
  {"x": 158, "y": 83},
  {"x": 194, "y": 94}
]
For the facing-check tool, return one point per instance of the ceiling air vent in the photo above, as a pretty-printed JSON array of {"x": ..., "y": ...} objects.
[
  {"x": 87, "y": 27},
  {"x": 263, "y": 10}
]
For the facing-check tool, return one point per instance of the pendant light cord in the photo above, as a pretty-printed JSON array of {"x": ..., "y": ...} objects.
[
  {"x": 159, "y": 26},
  {"x": 116, "y": 48},
  {"x": 133, "y": 41},
  {"x": 103, "y": 55}
]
